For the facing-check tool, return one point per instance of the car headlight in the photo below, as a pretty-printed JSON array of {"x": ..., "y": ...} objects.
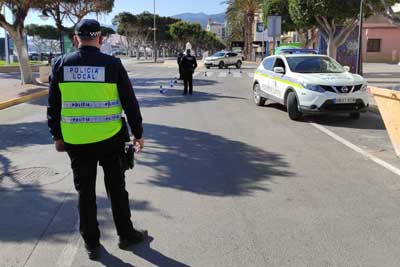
[
  {"x": 314, "y": 87},
  {"x": 364, "y": 87}
]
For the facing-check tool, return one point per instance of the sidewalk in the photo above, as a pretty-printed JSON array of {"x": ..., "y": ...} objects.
[
  {"x": 13, "y": 93},
  {"x": 381, "y": 75}
]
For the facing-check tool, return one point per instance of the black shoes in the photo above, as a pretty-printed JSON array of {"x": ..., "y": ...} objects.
[
  {"x": 93, "y": 251},
  {"x": 135, "y": 238}
]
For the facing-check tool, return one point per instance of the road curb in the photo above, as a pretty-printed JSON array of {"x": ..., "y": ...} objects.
[{"x": 23, "y": 99}]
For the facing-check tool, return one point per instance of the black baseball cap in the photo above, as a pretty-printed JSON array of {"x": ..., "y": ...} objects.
[{"x": 88, "y": 29}]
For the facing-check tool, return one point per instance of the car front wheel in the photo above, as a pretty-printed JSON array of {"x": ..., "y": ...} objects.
[
  {"x": 259, "y": 100},
  {"x": 221, "y": 65},
  {"x": 293, "y": 107}
]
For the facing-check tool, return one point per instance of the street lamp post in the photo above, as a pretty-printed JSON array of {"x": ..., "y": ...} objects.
[
  {"x": 155, "y": 33},
  {"x": 360, "y": 30}
]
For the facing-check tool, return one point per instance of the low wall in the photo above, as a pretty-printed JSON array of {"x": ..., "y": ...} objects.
[{"x": 8, "y": 69}]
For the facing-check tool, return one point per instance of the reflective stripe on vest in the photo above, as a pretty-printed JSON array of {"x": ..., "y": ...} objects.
[
  {"x": 91, "y": 112},
  {"x": 88, "y": 104}
]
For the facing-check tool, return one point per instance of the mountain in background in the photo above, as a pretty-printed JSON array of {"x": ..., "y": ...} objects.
[{"x": 201, "y": 18}]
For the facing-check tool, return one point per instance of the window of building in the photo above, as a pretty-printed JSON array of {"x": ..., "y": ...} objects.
[{"x": 374, "y": 45}]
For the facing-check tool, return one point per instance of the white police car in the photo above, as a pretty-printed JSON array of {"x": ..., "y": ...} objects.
[{"x": 310, "y": 84}]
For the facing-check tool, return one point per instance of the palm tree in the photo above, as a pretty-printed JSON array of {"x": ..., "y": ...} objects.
[{"x": 240, "y": 15}]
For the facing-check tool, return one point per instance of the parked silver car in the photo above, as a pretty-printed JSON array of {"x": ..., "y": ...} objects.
[{"x": 224, "y": 59}]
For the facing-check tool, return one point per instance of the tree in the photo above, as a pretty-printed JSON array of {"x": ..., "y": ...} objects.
[
  {"x": 44, "y": 37},
  {"x": 336, "y": 19},
  {"x": 185, "y": 32},
  {"x": 16, "y": 30},
  {"x": 136, "y": 28},
  {"x": 328, "y": 15},
  {"x": 73, "y": 11},
  {"x": 279, "y": 8},
  {"x": 388, "y": 11},
  {"x": 302, "y": 27},
  {"x": 244, "y": 11},
  {"x": 164, "y": 38},
  {"x": 126, "y": 26}
]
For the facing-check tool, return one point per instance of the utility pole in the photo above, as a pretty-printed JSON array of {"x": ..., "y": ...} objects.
[
  {"x": 155, "y": 33},
  {"x": 360, "y": 32}
]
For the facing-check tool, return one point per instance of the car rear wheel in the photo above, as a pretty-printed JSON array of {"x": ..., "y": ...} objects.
[
  {"x": 293, "y": 107},
  {"x": 221, "y": 65},
  {"x": 207, "y": 67},
  {"x": 239, "y": 64},
  {"x": 259, "y": 100},
  {"x": 355, "y": 115}
]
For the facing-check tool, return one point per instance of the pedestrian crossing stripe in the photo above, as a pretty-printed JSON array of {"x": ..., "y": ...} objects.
[
  {"x": 222, "y": 74},
  {"x": 237, "y": 74}
]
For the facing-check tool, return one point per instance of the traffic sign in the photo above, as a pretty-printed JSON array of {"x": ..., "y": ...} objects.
[{"x": 274, "y": 26}]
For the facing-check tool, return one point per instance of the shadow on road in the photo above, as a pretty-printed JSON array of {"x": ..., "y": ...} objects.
[
  {"x": 165, "y": 82},
  {"x": 153, "y": 256},
  {"x": 24, "y": 134},
  {"x": 151, "y": 97},
  {"x": 208, "y": 164},
  {"x": 21, "y": 135},
  {"x": 367, "y": 121},
  {"x": 109, "y": 260}
]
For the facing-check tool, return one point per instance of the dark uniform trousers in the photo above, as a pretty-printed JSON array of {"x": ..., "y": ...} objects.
[
  {"x": 188, "y": 82},
  {"x": 84, "y": 161}
]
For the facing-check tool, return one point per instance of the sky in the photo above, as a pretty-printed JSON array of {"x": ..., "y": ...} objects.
[{"x": 163, "y": 7}]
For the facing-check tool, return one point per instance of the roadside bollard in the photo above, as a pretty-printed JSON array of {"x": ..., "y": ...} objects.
[
  {"x": 205, "y": 74},
  {"x": 176, "y": 80},
  {"x": 162, "y": 91},
  {"x": 171, "y": 84},
  {"x": 229, "y": 71}
]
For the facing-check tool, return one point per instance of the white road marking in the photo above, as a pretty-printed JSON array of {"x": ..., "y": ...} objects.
[
  {"x": 352, "y": 146},
  {"x": 209, "y": 74},
  {"x": 222, "y": 74},
  {"x": 67, "y": 256},
  {"x": 237, "y": 74},
  {"x": 250, "y": 74}
]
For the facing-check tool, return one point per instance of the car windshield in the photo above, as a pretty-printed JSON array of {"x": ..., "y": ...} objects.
[
  {"x": 219, "y": 54},
  {"x": 314, "y": 65}
]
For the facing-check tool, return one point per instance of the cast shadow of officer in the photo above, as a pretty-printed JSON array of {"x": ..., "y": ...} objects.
[
  {"x": 153, "y": 256},
  {"x": 109, "y": 260}
]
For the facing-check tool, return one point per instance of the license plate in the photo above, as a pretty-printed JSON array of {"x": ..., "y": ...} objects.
[{"x": 344, "y": 100}]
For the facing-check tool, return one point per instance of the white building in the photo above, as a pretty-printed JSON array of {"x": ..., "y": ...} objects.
[{"x": 218, "y": 28}]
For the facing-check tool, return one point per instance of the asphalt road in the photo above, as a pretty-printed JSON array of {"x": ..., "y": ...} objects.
[{"x": 221, "y": 182}]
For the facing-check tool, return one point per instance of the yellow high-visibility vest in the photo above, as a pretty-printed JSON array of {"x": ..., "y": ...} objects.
[{"x": 90, "y": 113}]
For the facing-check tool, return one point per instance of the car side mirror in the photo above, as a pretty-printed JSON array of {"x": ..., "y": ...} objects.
[
  {"x": 346, "y": 68},
  {"x": 279, "y": 70}
]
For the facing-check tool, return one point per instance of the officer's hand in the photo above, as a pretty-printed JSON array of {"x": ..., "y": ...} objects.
[
  {"x": 138, "y": 144},
  {"x": 60, "y": 146}
]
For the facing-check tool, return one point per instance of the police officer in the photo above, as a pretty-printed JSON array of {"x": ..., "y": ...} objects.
[
  {"x": 178, "y": 60},
  {"x": 88, "y": 91},
  {"x": 189, "y": 64}
]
